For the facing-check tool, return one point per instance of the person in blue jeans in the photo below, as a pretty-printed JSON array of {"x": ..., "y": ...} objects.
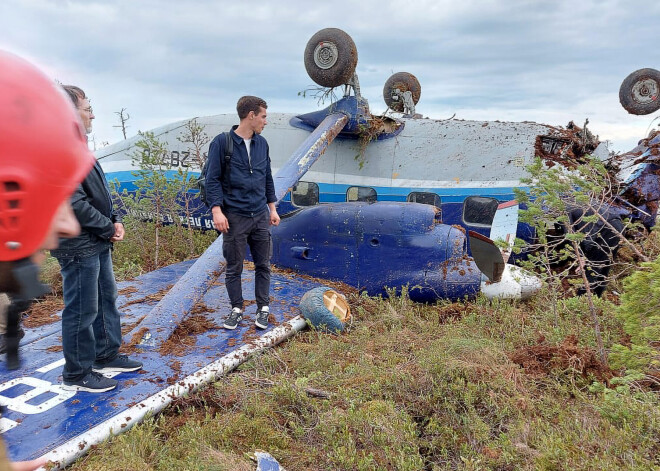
[
  {"x": 241, "y": 195},
  {"x": 91, "y": 329}
]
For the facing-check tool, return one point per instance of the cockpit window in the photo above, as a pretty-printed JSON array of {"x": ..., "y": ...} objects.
[{"x": 479, "y": 211}]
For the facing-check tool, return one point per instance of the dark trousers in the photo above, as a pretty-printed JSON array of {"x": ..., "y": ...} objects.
[
  {"x": 91, "y": 329},
  {"x": 255, "y": 233}
]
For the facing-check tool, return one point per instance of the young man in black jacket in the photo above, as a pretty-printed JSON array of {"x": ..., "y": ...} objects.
[
  {"x": 91, "y": 330},
  {"x": 241, "y": 194}
]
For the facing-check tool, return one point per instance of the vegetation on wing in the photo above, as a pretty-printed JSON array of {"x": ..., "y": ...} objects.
[{"x": 462, "y": 386}]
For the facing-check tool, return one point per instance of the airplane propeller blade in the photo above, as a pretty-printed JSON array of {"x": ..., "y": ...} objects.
[
  {"x": 505, "y": 226},
  {"x": 487, "y": 256}
]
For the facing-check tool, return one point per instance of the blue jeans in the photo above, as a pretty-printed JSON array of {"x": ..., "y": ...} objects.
[{"x": 91, "y": 329}]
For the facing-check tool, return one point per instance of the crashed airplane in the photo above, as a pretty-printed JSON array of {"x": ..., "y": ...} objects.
[
  {"x": 378, "y": 202},
  {"x": 374, "y": 168}
]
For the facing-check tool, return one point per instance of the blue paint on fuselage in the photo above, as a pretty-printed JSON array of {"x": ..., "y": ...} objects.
[
  {"x": 376, "y": 246},
  {"x": 452, "y": 200}
]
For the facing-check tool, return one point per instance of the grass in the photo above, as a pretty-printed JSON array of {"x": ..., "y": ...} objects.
[{"x": 411, "y": 387}]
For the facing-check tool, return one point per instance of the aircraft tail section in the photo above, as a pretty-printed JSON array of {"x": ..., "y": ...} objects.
[
  {"x": 487, "y": 256},
  {"x": 502, "y": 280}
]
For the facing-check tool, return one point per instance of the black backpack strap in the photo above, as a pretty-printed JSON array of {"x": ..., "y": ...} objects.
[{"x": 229, "y": 150}]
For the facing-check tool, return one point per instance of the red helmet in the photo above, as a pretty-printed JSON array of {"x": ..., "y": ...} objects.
[{"x": 43, "y": 155}]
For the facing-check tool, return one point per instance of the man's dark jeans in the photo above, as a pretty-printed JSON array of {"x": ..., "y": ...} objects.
[
  {"x": 91, "y": 329},
  {"x": 255, "y": 232}
]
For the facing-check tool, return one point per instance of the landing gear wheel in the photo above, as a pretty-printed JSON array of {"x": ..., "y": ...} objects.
[
  {"x": 331, "y": 57},
  {"x": 326, "y": 309},
  {"x": 404, "y": 82},
  {"x": 640, "y": 92}
]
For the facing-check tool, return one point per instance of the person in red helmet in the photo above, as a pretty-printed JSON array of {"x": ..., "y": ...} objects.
[{"x": 43, "y": 159}]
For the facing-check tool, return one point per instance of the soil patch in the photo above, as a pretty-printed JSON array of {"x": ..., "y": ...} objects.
[
  {"x": 543, "y": 358},
  {"x": 126, "y": 328},
  {"x": 568, "y": 147},
  {"x": 128, "y": 291},
  {"x": 342, "y": 288},
  {"x": 184, "y": 336},
  {"x": 453, "y": 311},
  {"x": 149, "y": 299}
]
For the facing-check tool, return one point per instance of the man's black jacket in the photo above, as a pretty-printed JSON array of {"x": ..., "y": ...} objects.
[
  {"x": 94, "y": 210},
  {"x": 250, "y": 185}
]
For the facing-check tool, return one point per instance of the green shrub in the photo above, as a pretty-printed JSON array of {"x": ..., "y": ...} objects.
[{"x": 639, "y": 312}]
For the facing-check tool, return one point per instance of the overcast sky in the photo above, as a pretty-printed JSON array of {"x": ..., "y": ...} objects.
[{"x": 513, "y": 60}]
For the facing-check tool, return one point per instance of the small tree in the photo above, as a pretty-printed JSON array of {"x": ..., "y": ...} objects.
[
  {"x": 123, "y": 118},
  {"x": 196, "y": 137},
  {"x": 567, "y": 209},
  {"x": 161, "y": 190},
  {"x": 194, "y": 134},
  {"x": 639, "y": 312}
]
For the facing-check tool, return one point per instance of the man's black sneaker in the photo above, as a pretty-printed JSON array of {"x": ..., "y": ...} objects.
[
  {"x": 94, "y": 382},
  {"x": 120, "y": 364},
  {"x": 234, "y": 317},
  {"x": 262, "y": 317}
]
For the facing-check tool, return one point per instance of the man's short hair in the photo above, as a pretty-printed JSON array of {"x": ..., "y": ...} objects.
[
  {"x": 249, "y": 103},
  {"x": 75, "y": 93}
]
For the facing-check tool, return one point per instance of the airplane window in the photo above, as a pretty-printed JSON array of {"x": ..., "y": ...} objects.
[
  {"x": 478, "y": 210},
  {"x": 305, "y": 194},
  {"x": 361, "y": 193},
  {"x": 425, "y": 198}
]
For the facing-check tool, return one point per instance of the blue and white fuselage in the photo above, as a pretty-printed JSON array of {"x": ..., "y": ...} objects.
[{"x": 463, "y": 167}]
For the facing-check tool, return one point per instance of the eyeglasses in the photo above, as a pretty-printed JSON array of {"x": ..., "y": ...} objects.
[{"x": 88, "y": 109}]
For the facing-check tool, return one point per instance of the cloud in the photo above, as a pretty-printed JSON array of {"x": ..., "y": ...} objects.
[{"x": 549, "y": 61}]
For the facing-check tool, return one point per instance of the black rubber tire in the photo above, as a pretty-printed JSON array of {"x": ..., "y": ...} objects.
[
  {"x": 640, "y": 92},
  {"x": 404, "y": 81},
  {"x": 314, "y": 309},
  {"x": 336, "y": 57}
]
